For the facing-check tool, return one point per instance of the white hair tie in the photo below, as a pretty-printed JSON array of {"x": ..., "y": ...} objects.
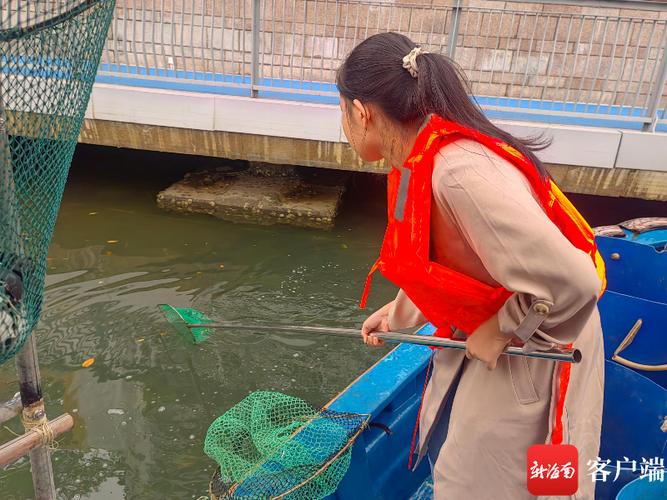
[{"x": 410, "y": 61}]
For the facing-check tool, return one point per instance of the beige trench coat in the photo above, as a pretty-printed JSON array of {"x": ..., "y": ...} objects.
[{"x": 487, "y": 223}]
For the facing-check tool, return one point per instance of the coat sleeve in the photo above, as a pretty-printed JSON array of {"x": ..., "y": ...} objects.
[{"x": 555, "y": 284}]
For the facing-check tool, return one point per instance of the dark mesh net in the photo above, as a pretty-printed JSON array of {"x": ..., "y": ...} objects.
[
  {"x": 271, "y": 445},
  {"x": 49, "y": 53}
]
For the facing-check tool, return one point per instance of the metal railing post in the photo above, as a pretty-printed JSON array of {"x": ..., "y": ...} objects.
[
  {"x": 254, "y": 57},
  {"x": 656, "y": 92},
  {"x": 454, "y": 29}
]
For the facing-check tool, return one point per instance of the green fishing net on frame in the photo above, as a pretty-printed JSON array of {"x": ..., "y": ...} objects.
[
  {"x": 271, "y": 445},
  {"x": 49, "y": 54}
]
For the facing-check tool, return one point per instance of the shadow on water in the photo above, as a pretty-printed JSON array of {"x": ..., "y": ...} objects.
[{"x": 143, "y": 407}]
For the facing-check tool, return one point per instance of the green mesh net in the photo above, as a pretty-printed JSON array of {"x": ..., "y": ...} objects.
[
  {"x": 271, "y": 445},
  {"x": 49, "y": 53}
]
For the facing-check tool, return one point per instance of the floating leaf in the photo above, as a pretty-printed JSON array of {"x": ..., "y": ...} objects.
[{"x": 87, "y": 363}]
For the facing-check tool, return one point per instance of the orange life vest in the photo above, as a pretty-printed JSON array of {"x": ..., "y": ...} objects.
[{"x": 448, "y": 298}]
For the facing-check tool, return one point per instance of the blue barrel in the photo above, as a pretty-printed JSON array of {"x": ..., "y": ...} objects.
[{"x": 643, "y": 488}]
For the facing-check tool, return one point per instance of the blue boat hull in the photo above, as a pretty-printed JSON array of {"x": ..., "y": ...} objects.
[
  {"x": 636, "y": 290},
  {"x": 619, "y": 314},
  {"x": 635, "y": 408},
  {"x": 390, "y": 392}
]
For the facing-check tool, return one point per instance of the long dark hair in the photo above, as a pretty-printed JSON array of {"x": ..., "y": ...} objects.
[{"x": 373, "y": 72}]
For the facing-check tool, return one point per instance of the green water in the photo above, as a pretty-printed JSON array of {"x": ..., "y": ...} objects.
[{"x": 142, "y": 409}]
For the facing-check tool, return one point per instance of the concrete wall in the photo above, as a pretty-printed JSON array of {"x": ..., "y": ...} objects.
[{"x": 606, "y": 161}]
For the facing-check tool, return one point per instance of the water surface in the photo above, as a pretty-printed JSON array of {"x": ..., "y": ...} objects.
[{"x": 142, "y": 409}]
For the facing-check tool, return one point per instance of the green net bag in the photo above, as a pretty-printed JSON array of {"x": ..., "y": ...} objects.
[
  {"x": 271, "y": 445},
  {"x": 49, "y": 53}
]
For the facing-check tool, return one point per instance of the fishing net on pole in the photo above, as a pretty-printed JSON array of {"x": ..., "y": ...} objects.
[
  {"x": 271, "y": 445},
  {"x": 49, "y": 53}
]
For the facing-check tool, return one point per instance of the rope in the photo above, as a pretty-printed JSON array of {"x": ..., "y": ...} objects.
[{"x": 34, "y": 420}]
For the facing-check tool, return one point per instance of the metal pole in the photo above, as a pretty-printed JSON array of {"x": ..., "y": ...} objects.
[
  {"x": 254, "y": 57},
  {"x": 33, "y": 409},
  {"x": 656, "y": 92},
  {"x": 454, "y": 29},
  {"x": 555, "y": 353}
]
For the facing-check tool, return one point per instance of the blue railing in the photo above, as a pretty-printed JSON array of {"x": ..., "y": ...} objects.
[{"x": 573, "y": 62}]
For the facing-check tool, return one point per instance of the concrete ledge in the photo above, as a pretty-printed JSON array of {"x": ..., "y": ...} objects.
[
  {"x": 585, "y": 146},
  {"x": 151, "y": 107},
  {"x": 200, "y": 111},
  {"x": 619, "y": 182},
  {"x": 587, "y": 160},
  {"x": 219, "y": 144},
  {"x": 277, "y": 118},
  {"x": 643, "y": 151},
  {"x": 277, "y": 197}
]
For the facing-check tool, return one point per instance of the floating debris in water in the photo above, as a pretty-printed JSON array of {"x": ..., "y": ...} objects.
[
  {"x": 161, "y": 409},
  {"x": 87, "y": 363},
  {"x": 296, "y": 354},
  {"x": 128, "y": 377},
  {"x": 115, "y": 411},
  {"x": 192, "y": 436},
  {"x": 93, "y": 213},
  {"x": 112, "y": 242}
]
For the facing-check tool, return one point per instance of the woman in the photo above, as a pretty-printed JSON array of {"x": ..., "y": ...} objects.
[{"x": 481, "y": 243}]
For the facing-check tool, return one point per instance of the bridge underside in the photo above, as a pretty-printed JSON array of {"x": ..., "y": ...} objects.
[
  {"x": 587, "y": 160},
  {"x": 623, "y": 182}
]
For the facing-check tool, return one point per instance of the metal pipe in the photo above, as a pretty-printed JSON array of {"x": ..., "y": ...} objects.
[
  {"x": 554, "y": 354},
  {"x": 254, "y": 58},
  {"x": 657, "y": 91},
  {"x": 454, "y": 29}
]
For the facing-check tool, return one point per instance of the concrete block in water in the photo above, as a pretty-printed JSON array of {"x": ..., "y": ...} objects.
[{"x": 298, "y": 198}]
